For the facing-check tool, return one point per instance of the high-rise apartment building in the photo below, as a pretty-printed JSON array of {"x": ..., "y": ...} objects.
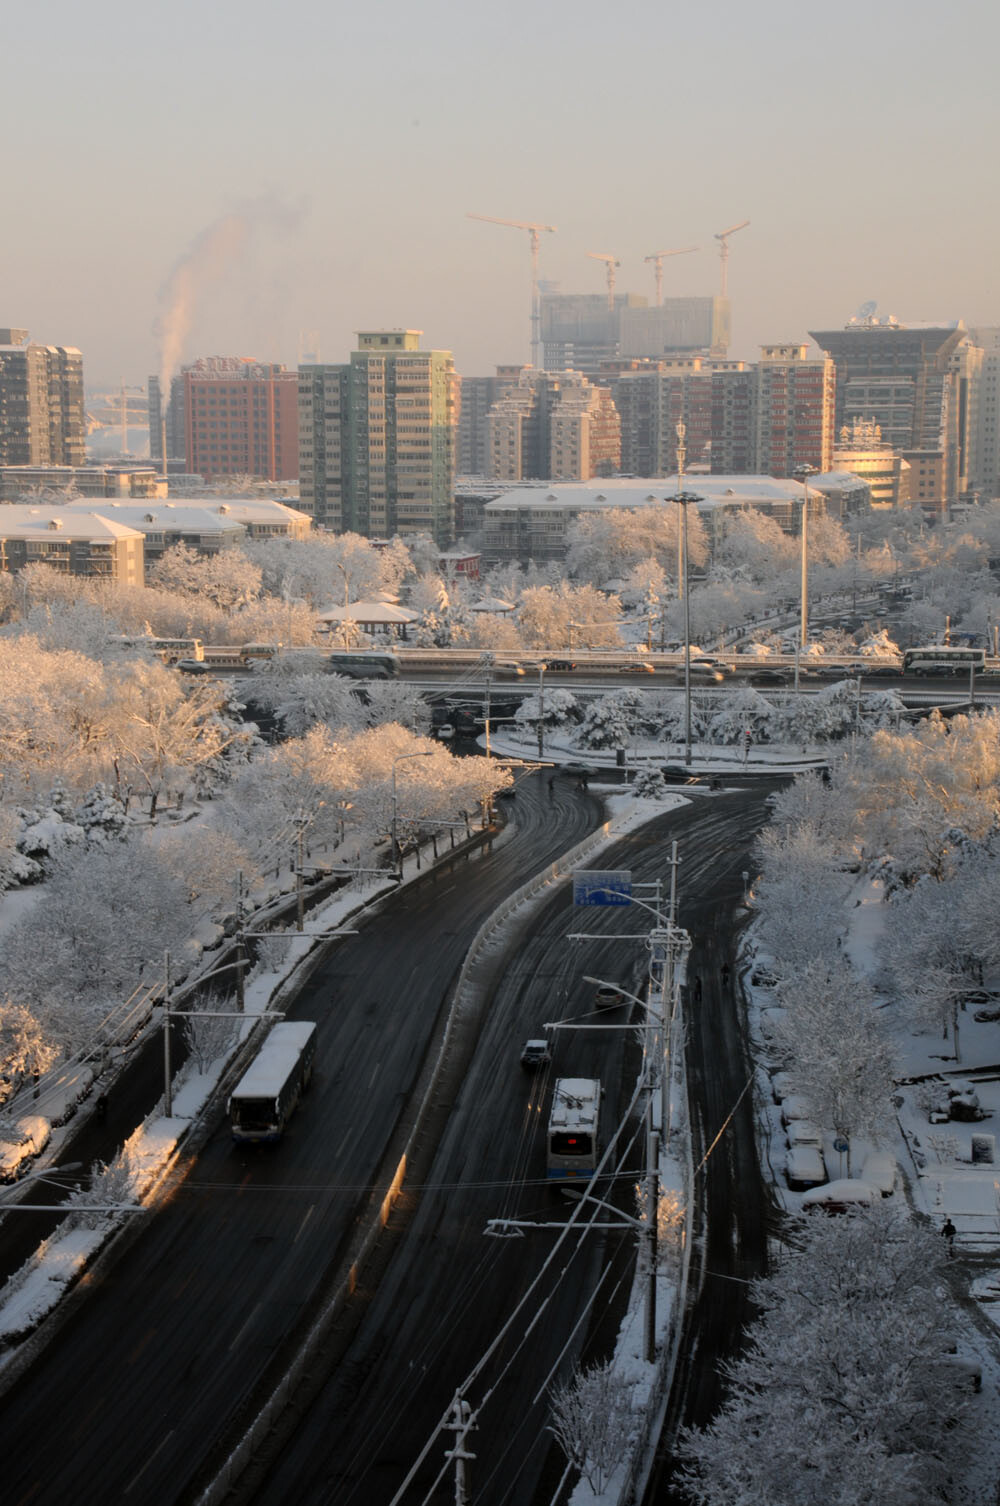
[
  {"x": 734, "y": 420},
  {"x": 902, "y": 378},
  {"x": 477, "y": 398},
  {"x": 794, "y": 411},
  {"x": 240, "y": 418},
  {"x": 41, "y": 402},
  {"x": 580, "y": 330},
  {"x": 554, "y": 426},
  {"x": 377, "y": 439},
  {"x": 986, "y": 464},
  {"x": 653, "y": 397}
]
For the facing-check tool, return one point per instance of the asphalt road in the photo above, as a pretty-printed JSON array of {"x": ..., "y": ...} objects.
[
  {"x": 450, "y": 1289},
  {"x": 157, "y": 1365}
]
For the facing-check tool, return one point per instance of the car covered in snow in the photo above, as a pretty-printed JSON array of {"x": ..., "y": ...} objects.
[
  {"x": 842, "y": 1196},
  {"x": 879, "y": 1170},
  {"x": 535, "y": 1054},
  {"x": 804, "y": 1168}
]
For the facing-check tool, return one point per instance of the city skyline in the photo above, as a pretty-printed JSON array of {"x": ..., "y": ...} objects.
[{"x": 346, "y": 151}]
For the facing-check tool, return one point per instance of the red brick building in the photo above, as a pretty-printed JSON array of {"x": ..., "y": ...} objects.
[{"x": 241, "y": 419}]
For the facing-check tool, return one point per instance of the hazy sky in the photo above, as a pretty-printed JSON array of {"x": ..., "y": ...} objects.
[{"x": 349, "y": 142}]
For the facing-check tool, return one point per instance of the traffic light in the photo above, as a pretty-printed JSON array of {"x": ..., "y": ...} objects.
[{"x": 747, "y": 737}]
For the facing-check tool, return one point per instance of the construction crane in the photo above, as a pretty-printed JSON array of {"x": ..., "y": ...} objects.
[
  {"x": 612, "y": 262},
  {"x": 535, "y": 233},
  {"x": 658, "y": 258},
  {"x": 722, "y": 237}
]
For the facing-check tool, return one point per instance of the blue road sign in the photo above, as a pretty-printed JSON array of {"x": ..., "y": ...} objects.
[{"x": 610, "y": 887}]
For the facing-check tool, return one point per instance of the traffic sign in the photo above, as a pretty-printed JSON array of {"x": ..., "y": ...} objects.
[
  {"x": 592, "y": 886},
  {"x": 840, "y": 1146}
]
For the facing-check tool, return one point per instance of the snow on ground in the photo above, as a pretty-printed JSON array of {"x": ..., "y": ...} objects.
[{"x": 937, "y": 1174}]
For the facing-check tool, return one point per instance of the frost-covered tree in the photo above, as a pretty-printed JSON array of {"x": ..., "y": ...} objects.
[
  {"x": 842, "y": 1393},
  {"x": 227, "y": 578},
  {"x": 606, "y": 544},
  {"x": 594, "y": 1420},
  {"x": 753, "y": 543},
  {"x": 799, "y": 898},
  {"x": 209, "y": 1034},
  {"x": 838, "y": 1052},
  {"x": 393, "y": 701},
  {"x": 26, "y": 1049}
]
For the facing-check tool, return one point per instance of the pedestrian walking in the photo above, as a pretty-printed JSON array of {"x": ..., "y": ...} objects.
[{"x": 949, "y": 1231}]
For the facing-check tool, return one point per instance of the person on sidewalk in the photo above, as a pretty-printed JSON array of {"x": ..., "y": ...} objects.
[{"x": 949, "y": 1231}]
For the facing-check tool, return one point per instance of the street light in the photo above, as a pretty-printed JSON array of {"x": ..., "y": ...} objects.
[
  {"x": 802, "y": 473},
  {"x": 395, "y": 843},
  {"x": 683, "y": 500}
]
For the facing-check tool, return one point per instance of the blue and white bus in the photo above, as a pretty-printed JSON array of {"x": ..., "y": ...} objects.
[
  {"x": 264, "y": 1100},
  {"x": 574, "y": 1125}
]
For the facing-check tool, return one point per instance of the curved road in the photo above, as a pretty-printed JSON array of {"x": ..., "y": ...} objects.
[
  {"x": 450, "y": 1290},
  {"x": 155, "y": 1367}
]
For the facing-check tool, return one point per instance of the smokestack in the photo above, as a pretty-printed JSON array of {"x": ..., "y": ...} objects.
[{"x": 163, "y": 442}]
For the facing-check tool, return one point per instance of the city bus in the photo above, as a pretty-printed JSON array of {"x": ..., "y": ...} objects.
[
  {"x": 943, "y": 659},
  {"x": 364, "y": 664},
  {"x": 264, "y": 1099},
  {"x": 572, "y": 1146}
]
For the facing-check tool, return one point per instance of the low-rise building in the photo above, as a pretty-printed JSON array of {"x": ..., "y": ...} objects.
[{"x": 72, "y": 541}]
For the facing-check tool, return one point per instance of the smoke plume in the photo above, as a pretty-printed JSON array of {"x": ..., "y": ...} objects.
[{"x": 213, "y": 252}]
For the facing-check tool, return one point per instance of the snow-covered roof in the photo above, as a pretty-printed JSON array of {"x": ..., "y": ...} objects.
[
  {"x": 711, "y": 491},
  {"x": 492, "y": 604},
  {"x": 157, "y": 516},
  {"x": 24, "y": 521},
  {"x": 368, "y": 611},
  {"x": 230, "y": 509}
]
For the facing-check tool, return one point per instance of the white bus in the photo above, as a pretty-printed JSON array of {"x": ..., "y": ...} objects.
[
  {"x": 168, "y": 650},
  {"x": 942, "y": 659},
  {"x": 573, "y": 1137},
  {"x": 264, "y": 1099}
]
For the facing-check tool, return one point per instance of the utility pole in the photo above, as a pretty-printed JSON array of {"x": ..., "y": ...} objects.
[
  {"x": 300, "y": 899},
  {"x": 652, "y": 1213},
  {"x": 541, "y": 710},
  {"x": 242, "y": 956},
  {"x": 461, "y": 1424},
  {"x": 168, "y": 1097}
]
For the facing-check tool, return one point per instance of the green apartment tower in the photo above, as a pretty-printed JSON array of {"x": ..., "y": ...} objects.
[{"x": 377, "y": 439}]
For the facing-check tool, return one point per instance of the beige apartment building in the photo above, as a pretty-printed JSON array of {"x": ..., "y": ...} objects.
[
  {"x": 377, "y": 439},
  {"x": 70, "y": 541},
  {"x": 554, "y": 425}
]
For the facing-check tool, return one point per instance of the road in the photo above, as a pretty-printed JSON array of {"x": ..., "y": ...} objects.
[
  {"x": 450, "y": 1289},
  {"x": 168, "y": 1350}
]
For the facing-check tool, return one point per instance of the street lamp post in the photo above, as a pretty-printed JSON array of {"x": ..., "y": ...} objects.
[
  {"x": 802, "y": 473},
  {"x": 541, "y": 710},
  {"x": 684, "y": 500},
  {"x": 395, "y": 808}
]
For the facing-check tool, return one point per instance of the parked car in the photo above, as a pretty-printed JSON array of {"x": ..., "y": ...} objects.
[
  {"x": 879, "y": 1170},
  {"x": 29, "y": 1137},
  {"x": 535, "y": 1054},
  {"x": 795, "y": 1107},
  {"x": 780, "y": 1086},
  {"x": 804, "y": 1168},
  {"x": 608, "y": 996},
  {"x": 804, "y": 1132},
  {"x": 841, "y": 1196}
]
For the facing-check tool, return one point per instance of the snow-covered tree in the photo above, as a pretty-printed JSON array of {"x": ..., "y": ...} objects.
[
  {"x": 394, "y": 701},
  {"x": 26, "y": 1049},
  {"x": 594, "y": 1419},
  {"x": 838, "y": 1052},
  {"x": 605, "y": 545},
  {"x": 843, "y": 1393},
  {"x": 227, "y": 578},
  {"x": 799, "y": 898}
]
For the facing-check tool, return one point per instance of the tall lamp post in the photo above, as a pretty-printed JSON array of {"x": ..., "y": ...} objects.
[
  {"x": 395, "y": 808},
  {"x": 802, "y": 473},
  {"x": 684, "y": 500}
]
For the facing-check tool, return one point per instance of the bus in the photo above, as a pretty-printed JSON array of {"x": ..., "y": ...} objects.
[
  {"x": 572, "y": 1144},
  {"x": 943, "y": 659},
  {"x": 168, "y": 650},
  {"x": 364, "y": 664},
  {"x": 264, "y": 1099}
]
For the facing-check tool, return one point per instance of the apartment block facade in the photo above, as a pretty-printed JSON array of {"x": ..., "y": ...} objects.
[
  {"x": 795, "y": 405},
  {"x": 41, "y": 402},
  {"x": 478, "y": 394},
  {"x": 554, "y": 425},
  {"x": 377, "y": 439},
  {"x": 240, "y": 418}
]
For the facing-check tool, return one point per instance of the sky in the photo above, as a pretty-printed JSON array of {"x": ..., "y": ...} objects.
[{"x": 328, "y": 156}]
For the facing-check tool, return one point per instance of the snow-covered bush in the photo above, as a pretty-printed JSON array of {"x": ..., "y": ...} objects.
[{"x": 594, "y": 1420}]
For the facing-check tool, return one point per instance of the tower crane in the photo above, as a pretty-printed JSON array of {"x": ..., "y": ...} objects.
[
  {"x": 534, "y": 232},
  {"x": 612, "y": 262},
  {"x": 722, "y": 236},
  {"x": 658, "y": 258}
]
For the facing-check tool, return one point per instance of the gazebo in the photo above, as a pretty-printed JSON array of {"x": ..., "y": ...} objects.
[{"x": 381, "y": 615}]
